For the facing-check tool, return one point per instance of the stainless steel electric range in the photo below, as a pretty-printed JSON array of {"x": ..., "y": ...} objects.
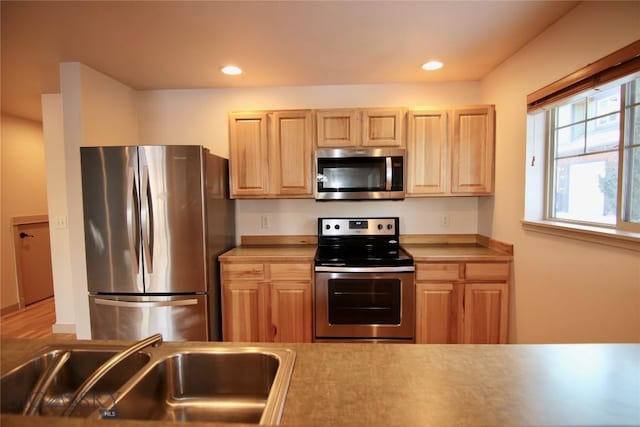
[{"x": 364, "y": 287}]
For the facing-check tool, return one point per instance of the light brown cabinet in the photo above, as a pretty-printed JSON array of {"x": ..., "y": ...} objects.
[
  {"x": 374, "y": 127},
  {"x": 267, "y": 302},
  {"x": 450, "y": 151},
  {"x": 462, "y": 302},
  {"x": 271, "y": 154},
  {"x": 248, "y": 157}
]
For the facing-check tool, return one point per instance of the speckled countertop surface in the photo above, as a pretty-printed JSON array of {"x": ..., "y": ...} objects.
[
  {"x": 429, "y": 252},
  {"x": 420, "y": 252},
  {"x": 300, "y": 253},
  {"x": 422, "y": 385}
]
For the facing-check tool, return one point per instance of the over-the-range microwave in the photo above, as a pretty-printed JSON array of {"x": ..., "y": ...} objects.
[{"x": 360, "y": 174}]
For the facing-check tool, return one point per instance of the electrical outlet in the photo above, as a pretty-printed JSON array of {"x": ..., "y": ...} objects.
[
  {"x": 265, "y": 221},
  {"x": 444, "y": 220},
  {"x": 60, "y": 222}
]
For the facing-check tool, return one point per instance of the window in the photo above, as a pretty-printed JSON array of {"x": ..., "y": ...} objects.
[
  {"x": 589, "y": 137},
  {"x": 583, "y": 148}
]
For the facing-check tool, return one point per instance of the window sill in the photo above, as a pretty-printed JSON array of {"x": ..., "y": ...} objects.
[{"x": 620, "y": 239}]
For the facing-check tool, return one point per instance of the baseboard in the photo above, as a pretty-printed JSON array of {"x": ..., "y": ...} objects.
[
  {"x": 9, "y": 309},
  {"x": 63, "y": 328}
]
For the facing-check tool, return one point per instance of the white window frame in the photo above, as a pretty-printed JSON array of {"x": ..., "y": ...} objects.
[{"x": 540, "y": 186}]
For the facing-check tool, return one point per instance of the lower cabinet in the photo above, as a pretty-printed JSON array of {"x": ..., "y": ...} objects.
[
  {"x": 291, "y": 311},
  {"x": 267, "y": 302},
  {"x": 462, "y": 303},
  {"x": 439, "y": 312}
]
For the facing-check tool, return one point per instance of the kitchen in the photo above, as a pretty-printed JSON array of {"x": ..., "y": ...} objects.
[{"x": 544, "y": 283}]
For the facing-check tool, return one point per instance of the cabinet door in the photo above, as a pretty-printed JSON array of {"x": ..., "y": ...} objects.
[
  {"x": 472, "y": 146},
  {"x": 485, "y": 313},
  {"x": 382, "y": 127},
  {"x": 338, "y": 128},
  {"x": 290, "y": 154},
  {"x": 291, "y": 311},
  {"x": 248, "y": 157},
  {"x": 427, "y": 153},
  {"x": 439, "y": 313},
  {"x": 245, "y": 315}
]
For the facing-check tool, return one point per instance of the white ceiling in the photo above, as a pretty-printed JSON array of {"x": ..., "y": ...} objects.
[{"x": 182, "y": 44}]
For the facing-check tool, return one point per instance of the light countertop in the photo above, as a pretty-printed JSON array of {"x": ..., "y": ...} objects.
[
  {"x": 453, "y": 252},
  {"x": 423, "y": 385},
  {"x": 268, "y": 253}
]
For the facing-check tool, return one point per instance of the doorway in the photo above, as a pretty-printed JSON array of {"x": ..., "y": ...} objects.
[{"x": 33, "y": 261}]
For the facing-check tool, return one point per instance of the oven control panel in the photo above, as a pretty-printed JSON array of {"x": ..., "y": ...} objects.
[{"x": 358, "y": 226}]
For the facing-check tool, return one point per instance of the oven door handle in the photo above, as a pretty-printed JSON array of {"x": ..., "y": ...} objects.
[{"x": 403, "y": 269}]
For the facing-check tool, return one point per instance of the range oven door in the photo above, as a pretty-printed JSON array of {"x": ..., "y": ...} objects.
[{"x": 364, "y": 306}]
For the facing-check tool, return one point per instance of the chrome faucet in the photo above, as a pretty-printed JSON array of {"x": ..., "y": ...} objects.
[{"x": 153, "y": 340}]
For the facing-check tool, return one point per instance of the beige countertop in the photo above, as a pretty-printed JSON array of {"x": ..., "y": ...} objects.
[
  {"x": 269, "y": 253},
  {"x": 422, "y": 385},
  {"x": 445, "y": 247},
  {"x": 455, "y": 252}
]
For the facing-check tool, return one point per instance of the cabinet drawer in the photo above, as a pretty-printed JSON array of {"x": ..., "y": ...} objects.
[
  {"x": 243, "y": 271},
  {"x": 437, "y": 271},
  {"x": 487, "y": 271},
  {"x": 290, "y": 271}
]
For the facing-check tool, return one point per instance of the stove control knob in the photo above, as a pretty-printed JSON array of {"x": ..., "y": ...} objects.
[
  {"x": 328, "y": 226},
  {"x": 389, "y": 226},
  {"x": 337, "y": 226},
  {"x": 379, "y": 226}
]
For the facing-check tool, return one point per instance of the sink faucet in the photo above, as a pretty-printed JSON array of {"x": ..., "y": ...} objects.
[
  {"x": 154, "y": 340},
  {"x": 45, "y": 380}
]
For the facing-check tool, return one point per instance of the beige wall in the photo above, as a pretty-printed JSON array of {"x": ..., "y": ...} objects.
[
  {"x": 98, "y": 110},
  {"x": 52, "y": 126},
  {"x": 564, "y": 290},
  {"x": 200, "y": 117},
  {"x": 24, "y": 190}
]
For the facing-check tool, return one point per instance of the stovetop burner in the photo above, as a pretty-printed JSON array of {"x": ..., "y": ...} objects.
[{"x": 360, "y": 242}]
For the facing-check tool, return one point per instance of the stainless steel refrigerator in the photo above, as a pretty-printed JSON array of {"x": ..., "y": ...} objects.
[{"x": 155, "y": 220}]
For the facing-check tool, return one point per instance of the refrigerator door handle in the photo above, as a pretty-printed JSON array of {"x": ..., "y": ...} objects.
[
  {"x": 147, "y": 220},
  {"x": 146, "y": 304},
  {"x": 133, "y": 220}
]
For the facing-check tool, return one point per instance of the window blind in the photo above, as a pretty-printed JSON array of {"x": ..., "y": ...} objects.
[{"x": 614, "y": 66}]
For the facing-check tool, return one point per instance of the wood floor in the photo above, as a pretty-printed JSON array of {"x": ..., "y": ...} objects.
[{"x": 34, "y": 321}]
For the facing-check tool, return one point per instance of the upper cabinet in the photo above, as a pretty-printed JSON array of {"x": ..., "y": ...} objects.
[
  {"x": 427, "y": 166},
  {"x": 291, "y": 154},
  {"x": 271, "y": 154},
  {"x": 338, "y": 128},
  {"x": 376, "y": 127},
  {"x": 248, "y": 157},
  {"x": 472, "y": 143},
  {"x": 450, "y": 151}
]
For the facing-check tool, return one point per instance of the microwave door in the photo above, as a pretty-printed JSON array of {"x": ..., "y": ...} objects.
[{"x": 352, "y": 175}]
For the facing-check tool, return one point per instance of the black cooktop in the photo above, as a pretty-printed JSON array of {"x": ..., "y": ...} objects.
[
  {"x": 362, "y": 256},
  {"x": 360, "y": 242}
]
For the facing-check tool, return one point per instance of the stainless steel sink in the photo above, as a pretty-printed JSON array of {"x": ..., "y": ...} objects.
[
  {"x": 169, "y": 382},
  {"x": 19, "y": 384},
  {"x": 226, "y": 385}
]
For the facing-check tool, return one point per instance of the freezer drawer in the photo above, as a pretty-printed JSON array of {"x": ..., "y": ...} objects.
[{"x": 176, "y": 317}]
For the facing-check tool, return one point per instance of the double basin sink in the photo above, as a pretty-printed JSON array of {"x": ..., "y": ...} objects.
[{"x": 167, "y": 382}]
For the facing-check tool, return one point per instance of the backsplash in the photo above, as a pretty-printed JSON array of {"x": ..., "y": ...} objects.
[{"x": 299, "y": 216}]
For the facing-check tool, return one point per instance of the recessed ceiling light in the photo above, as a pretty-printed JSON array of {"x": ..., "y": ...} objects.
[
  {"x": 231, "y": 70},
  {"x": 432, "y": 65}
]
